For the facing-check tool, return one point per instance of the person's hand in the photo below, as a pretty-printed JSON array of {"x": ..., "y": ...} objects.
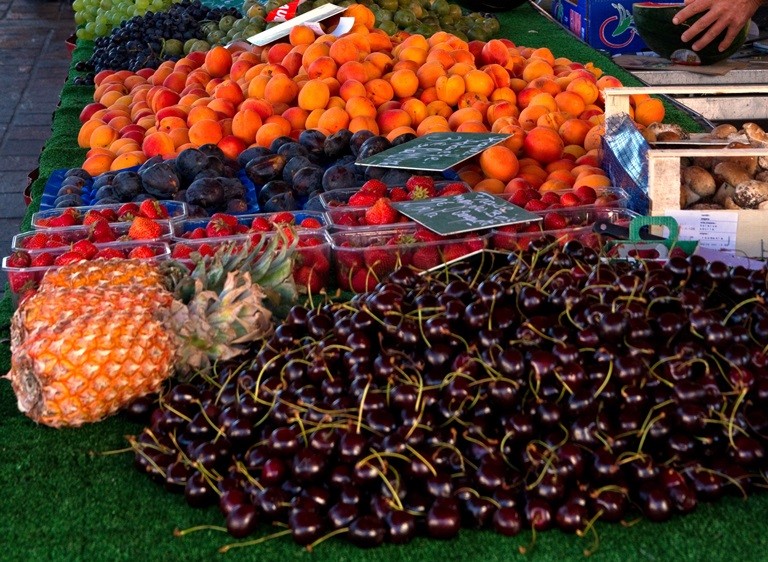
[{"x": 719, "y": 15}]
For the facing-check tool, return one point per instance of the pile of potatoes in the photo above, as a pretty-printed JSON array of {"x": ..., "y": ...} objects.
[{"x": 733, "y": 182}]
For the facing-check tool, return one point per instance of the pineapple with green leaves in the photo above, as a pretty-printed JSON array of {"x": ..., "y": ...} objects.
[{"x": 99, "y": 334}]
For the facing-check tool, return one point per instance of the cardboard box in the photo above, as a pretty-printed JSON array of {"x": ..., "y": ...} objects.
[
  {"x": 606, "y": 25},
  {"x": 743, "y": 232}
]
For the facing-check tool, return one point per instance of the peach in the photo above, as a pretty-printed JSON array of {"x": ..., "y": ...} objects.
[
  {"x": 313, "y": 95},
  {"x": 232, "y": 146},
  {"x": 494, "y": 52}
]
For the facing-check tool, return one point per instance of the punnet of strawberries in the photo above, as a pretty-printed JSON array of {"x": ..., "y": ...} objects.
[{"x": 363, "y": 258}]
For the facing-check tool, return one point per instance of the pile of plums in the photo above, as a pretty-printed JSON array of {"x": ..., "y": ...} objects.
[{"x": 548, "y": 388}]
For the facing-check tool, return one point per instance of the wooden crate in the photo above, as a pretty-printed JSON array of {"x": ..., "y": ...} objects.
[{"x": 750, "y": 227}]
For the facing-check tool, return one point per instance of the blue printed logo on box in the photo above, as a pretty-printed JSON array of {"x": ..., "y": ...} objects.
[{"x": 603, "y": 24}]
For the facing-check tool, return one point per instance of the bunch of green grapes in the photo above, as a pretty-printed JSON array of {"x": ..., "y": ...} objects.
[{"x": 97, "y": 18}]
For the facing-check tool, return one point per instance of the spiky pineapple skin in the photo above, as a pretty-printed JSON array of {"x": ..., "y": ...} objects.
[{"x": 94, "y": 359}]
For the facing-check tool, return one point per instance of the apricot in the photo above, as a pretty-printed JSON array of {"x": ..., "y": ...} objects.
[
  {"x": 281, "y": 89},
  {"x": 543, "y": 145},
  {"x": 574, "y": 131},
  {"x": 245, "y": 123},
  {"x": 379, "y": 91},
  {"x": 301, "y": 35},
  {"x": 464, "y": 115},
  {"x": 352, "y": 88},
  {"x": 218, "y": 61},
  {"x": 205, "y": 131},
  {"x": 322, "y": 67},
  {"x": 358, "y": 106},
  {"x": 450, "y": 88},
  {"x": 158, "y": 144},
  {"x": 499, "y": 162},
  {"x": 649, "y": 111},
  {"x": 363, "y": 124},
  {"x": 404, "y": 83},
  {"x": 490, "y": 185},
  {"x": 433, "y": 124},
  {"x": 314, "y": 95}
]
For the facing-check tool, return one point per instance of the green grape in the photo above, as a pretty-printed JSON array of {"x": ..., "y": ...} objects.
[
  {"x": 142, "y": 5},
  {"x": 77, "y": 5},
  {"x": 79, "y": 18},
  {"x": 100, "y": 29}
]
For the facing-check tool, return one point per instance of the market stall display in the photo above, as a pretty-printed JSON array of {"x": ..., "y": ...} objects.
[{"x": 518, "y": 437}]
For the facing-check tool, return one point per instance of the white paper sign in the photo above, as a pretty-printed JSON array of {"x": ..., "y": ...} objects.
[
  {"x": 716, "y": 230},
  {"x": 284, "y": 29}
]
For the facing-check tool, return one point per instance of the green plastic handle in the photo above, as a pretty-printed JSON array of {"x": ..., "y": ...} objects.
[{"x": 639, "y": 222}]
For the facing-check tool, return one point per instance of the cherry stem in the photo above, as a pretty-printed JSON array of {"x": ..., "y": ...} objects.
[
  {"x": 228, "y": 547},
  {"x": 311, "y": 547},
  {"x": 739, "y": 305},
  {"x": 183, "y": 532},
  {"x": 589, "y": 551}
]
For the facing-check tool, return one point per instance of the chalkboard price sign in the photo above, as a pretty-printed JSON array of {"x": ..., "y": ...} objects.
[
  {"x": 434, "y": 152},
  {"x": 464, "y": 213}
]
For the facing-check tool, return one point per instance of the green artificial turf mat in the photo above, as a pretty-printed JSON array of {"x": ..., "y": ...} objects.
[{"x": 62, "y": 499}]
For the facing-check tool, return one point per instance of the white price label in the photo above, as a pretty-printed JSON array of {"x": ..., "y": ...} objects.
[{"x": 716, "y": 230}]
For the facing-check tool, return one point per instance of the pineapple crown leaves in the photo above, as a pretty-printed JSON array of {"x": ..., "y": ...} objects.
[
  {"x": 268, "y": 261},
  {"x": 220, "y": 326}
]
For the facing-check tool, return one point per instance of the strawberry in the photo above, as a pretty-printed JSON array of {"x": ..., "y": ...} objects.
[
  {"x": 309, "y": 278},
  {"x": 420, "y": 187},
  {"x": 520, "y": 197},
  {"x": 43, "y": 259},
  {"x": 455, "y": 250},
  {"x": 535, "y": 205},
  {"x": 349, "y": 257},
  {"x": 425, "y": 235},
  {"x": 85, "y": 248},
  {"x": 453, "y": 188},
  {"x": 68, "y": 257},
  {"x": 144, "y": 229},
  {"x": 362, "y": 199},
  {"x": 55, "y": 241},
  {"x": 381, "y": 213},
  {"x": 221, "y": 224},
  {"x": 141, "y": 252},
  {"x": 35, "y": 242},
  {"x": 346, "y": 219},
  {"x": 261, "y": 224},
  {"x": 92, "y": 215},
  {"x": 283, "y": 217},
  {"x": 554, "y": 221},
  {"x": 310, "y": 222},
  {"x": 550, "y": 198},
  {"x": 19, "y": 258},
  {"x": 64, "y": 219},
  {"x": 101, "y": 232},
  {"x": 109, "y": 253},
  {"x": 152, "y": 209},
  {"x": 374, "y": 187},
  {"x": 379, "y": 260},
  {"x": 586, "y": 194},
  {"x": 398, "y": 194},
  {"x": 241, "y": 229},
  {"x": 362, "y": 281},
  {"x": 426, "y": 257},
  {"x": 21, "y": 282},
  {"x": 425, "y": 183},
  {"x": 43, "y": 222},
  {"x": 570, "y": 199},
  {"x": 196, "y": 234},
  {"x": 127, "y": 212},
  {"x": 110, "y": 215},
  {"x": 206, "y": 250},
  {"x": 181, "y": 251}
]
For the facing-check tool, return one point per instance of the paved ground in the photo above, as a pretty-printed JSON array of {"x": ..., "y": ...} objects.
[{"x": 33, "y": 66}]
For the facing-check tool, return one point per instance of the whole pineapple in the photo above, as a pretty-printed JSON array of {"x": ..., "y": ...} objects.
[{"x": 99, "y": 334}]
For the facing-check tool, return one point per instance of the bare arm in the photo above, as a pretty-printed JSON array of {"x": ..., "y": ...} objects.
[{"x": 719, "y": 15}]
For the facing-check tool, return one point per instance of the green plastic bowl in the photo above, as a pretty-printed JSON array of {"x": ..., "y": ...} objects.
[{"x": 654, "y": 24}]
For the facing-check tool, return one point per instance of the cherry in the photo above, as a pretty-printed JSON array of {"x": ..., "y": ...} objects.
[
  {"x": 443, "y": 519},
  {"x": 242, "y": 520},
  {"x": 366, "y": 531},
  {"x": 400, "y": 527},
  {"x": 306, "y": 526}
]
